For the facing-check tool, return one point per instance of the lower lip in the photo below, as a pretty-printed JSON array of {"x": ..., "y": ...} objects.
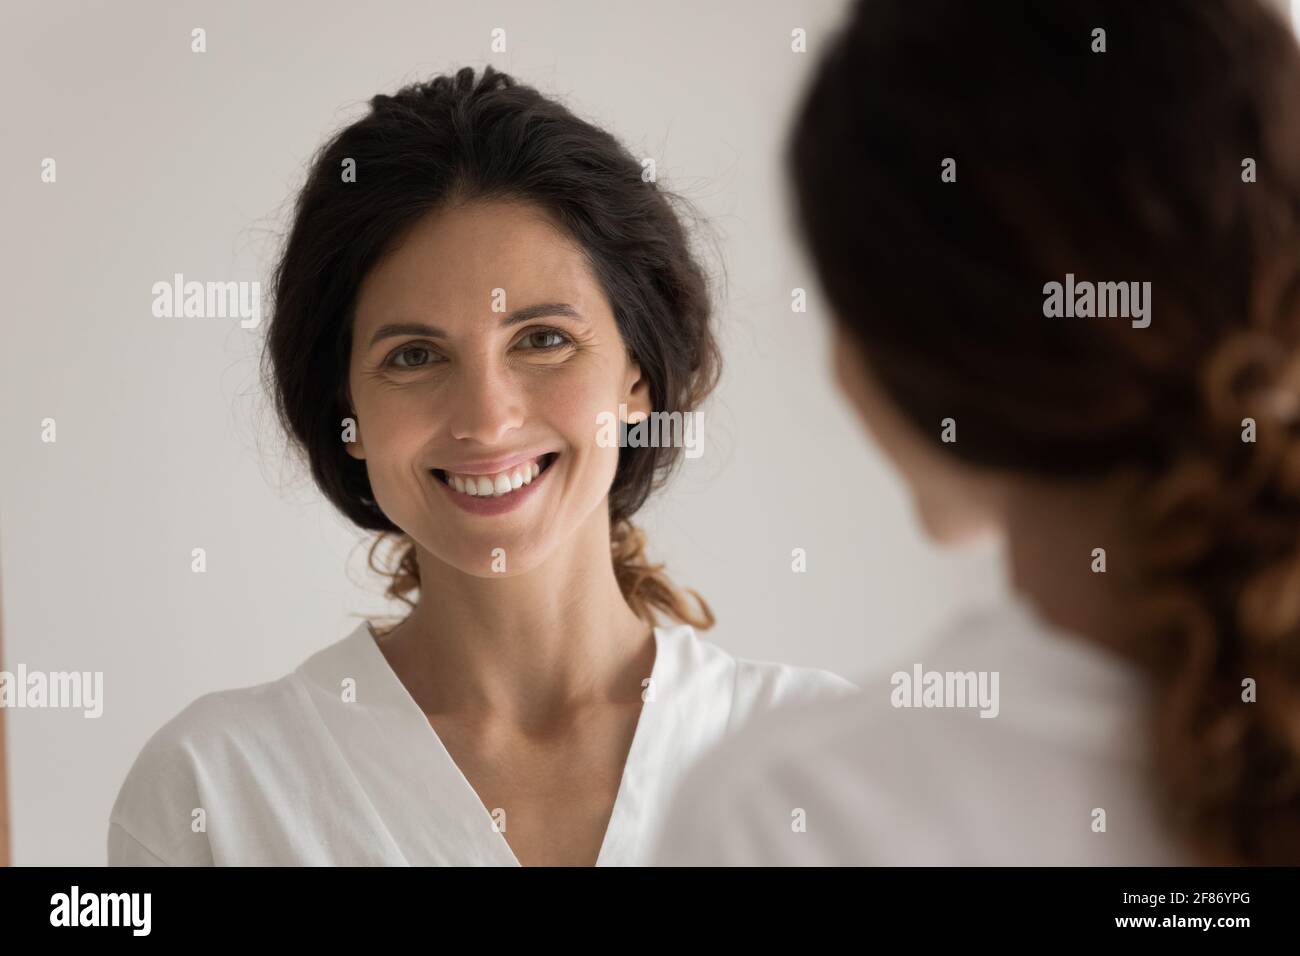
[{"x": 491, "y": 504}]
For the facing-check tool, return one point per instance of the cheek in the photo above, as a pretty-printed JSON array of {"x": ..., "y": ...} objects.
[
  {"x": 568, "y": 402},
  {"x": 573, "y": 404},
  {"x": 393, "y": 426},
  {"x": 574, "y": 409}
]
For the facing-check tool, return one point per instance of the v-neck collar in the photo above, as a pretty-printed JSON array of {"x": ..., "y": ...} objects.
[{"x": 404, "y": 726}]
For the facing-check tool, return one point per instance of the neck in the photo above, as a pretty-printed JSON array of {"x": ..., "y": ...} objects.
[
  {"x": 1051, "y": 532},
  {"x": 529, "y": 647}
]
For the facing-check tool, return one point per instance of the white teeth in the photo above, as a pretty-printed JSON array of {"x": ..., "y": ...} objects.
[{"x": 494, "y": 486}]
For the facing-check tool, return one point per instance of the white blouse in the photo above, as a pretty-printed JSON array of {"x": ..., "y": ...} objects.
[
  {"x": 298, "y": 772},
  {"x": 1058, "y": 773}
]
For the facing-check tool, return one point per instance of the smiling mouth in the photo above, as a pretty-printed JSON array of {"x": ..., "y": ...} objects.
[{"x": 500, "y": 484}]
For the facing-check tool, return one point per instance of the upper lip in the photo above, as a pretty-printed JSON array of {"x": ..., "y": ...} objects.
[{"x": 492, "y": 466}]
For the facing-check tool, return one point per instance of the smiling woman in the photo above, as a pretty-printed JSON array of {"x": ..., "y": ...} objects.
[
  {"x": 474, "y": 276},
  {"x": 473, "y": 393}
]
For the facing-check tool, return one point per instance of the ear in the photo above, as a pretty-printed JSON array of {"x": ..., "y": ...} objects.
[
  {"x": 636, "y": 391},
  {"x": 350, "y": 435}
]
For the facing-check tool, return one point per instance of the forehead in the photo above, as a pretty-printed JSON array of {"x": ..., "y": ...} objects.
[{"x": 450, "y": 262}]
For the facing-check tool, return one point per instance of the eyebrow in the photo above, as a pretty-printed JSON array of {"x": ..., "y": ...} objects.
[{"x": 526, "y": 314}]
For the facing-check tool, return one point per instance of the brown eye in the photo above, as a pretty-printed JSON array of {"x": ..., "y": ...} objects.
[
  {"x": 543, "y": 340},
  {"x": 402, "y": 358}
]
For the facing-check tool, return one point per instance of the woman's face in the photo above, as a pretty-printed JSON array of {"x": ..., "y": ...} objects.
[{"x": 483, "y": 353}]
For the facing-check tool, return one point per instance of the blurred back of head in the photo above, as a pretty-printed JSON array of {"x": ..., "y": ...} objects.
[{"x": 950, "y": 161}]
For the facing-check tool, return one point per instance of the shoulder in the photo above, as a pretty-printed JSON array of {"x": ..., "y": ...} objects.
[
  {"x": 755, "y": 685},
  {"x": 222, "y": 721},
  {"x": 184, "y": 769},
  {"x": 763, "y": 686},
  {"x": 867, "y": 779},
  {"x": 737, "y": 804}
]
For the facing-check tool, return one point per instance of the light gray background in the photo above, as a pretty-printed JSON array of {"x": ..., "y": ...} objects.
[{"x": 170, "y": 161}]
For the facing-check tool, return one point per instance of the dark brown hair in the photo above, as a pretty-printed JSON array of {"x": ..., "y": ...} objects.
[
  {"x": 1122, "y": 165},
  {"x": 463, "y": 138}
]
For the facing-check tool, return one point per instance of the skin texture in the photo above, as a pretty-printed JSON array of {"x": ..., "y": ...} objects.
[
  {"x": 1049, "y": 529},
  {"x": 953, "y": 503},
  {"x": 532, "y": 677}
]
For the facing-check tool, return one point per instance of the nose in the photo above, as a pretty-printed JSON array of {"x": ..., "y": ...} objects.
[{"x": 485, "y": 404}]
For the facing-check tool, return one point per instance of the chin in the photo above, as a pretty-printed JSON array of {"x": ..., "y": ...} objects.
[{"x": 476, "y": 558}]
